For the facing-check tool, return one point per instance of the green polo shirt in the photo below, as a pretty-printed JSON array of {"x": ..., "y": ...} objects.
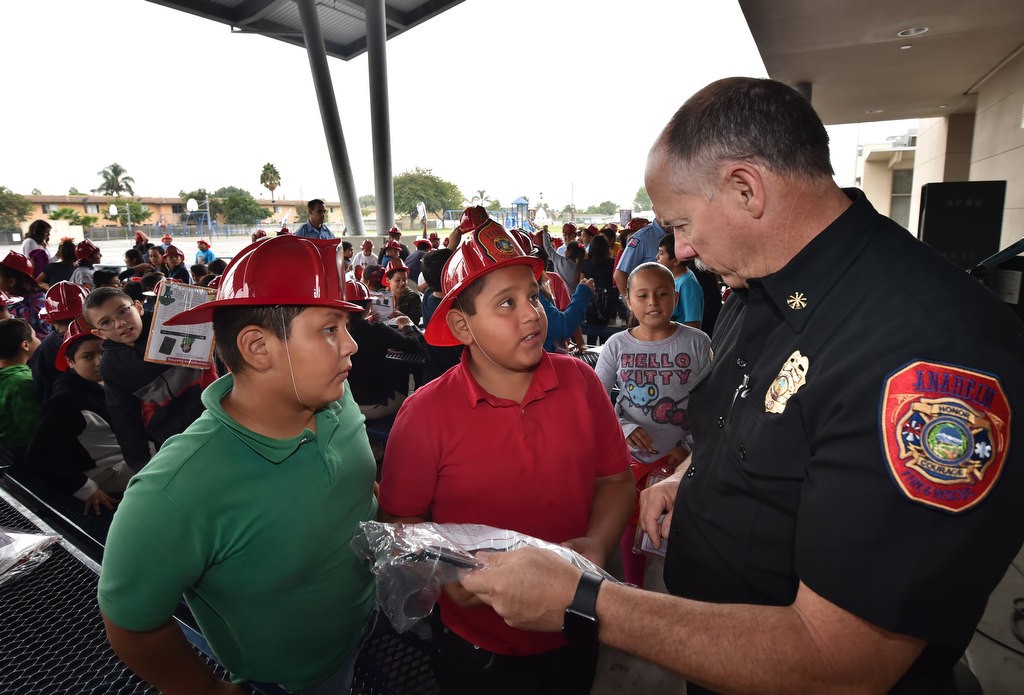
[{"x": 254, "y": 533}]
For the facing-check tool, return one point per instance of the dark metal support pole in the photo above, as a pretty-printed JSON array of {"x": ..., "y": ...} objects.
[
  {"x": 380, "y": 114},
  {"x": 329, "y": 115}
]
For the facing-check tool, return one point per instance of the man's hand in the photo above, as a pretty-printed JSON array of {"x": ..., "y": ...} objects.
[
  {"x": 403, "y": 321},
  {"x": 675, "y": 456},
  {"x": 97, "y": 501},
  {"x": 589, "y": 282},
  {"x": 654, "y": 501},
  {"x": 512, "y": 586},
  {"x": 589, "y": 548},
  {"x": 462, "y": 598},
  {"x": 641, "y": 441}
]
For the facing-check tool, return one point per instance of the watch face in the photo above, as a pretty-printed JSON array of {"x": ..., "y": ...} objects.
[{"x": 579, "y": 628}]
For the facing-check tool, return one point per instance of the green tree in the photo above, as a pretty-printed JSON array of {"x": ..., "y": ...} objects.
[
  {"x": 412, "y": 187},
  {"x": 241, "y": 208},
  {"x": 367, "y": 201},
  {"x": 140, "y": 213},
  {"x": 74, "y": 218},
  {"x": 270, "y": 178},
  {"x": 642, "y": 201},
  {"x": 115, "y": 182},
  {"x": 493, "y": 205},
  {"x": 74, "y": 191},
  {"x": 36, "y": 191},
  {"x": 14, "y": 209},
  {"x": 605, "y": 208}
]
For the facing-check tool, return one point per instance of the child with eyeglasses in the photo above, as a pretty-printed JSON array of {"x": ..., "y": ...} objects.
[{"x": 148, "y": 402}]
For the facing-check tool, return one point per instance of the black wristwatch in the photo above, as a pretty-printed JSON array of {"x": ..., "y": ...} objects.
[{"x": 580, "y": 624}]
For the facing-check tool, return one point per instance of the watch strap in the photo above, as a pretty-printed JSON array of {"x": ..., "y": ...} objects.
[{"x": 585, "y": 600}]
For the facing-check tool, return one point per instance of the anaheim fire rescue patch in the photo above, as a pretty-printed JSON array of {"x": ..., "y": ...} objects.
[
  {"x": 495, "y": 242},
  {"x": 945, "y": 433}
]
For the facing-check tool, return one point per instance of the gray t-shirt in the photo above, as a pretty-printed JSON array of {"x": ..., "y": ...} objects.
[{"x": 654, "y": 381}]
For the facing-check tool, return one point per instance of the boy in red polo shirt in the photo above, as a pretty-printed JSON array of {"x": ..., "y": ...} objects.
[{"x": 483, "y": 443}]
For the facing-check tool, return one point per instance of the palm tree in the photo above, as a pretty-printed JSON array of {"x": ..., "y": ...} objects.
[
  {"x": 481, "y": 198},
  {"x": 270, "y": 178},
  {"x": 114, "y": 181}
]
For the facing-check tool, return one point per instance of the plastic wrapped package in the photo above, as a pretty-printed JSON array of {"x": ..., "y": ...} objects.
[
  {"x": 412, "y": 561},
  {"x": 22, "y": 552}
]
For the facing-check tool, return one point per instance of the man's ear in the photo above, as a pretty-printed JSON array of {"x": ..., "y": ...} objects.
[
  {"x": 746, "y": 182},
  {"x": 457, "y": 324},
  {"x": 251, "y": 342}
]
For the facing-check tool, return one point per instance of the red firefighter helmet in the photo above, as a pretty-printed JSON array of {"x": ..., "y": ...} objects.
[
  {"x": 78, "y": 330},
  {"x": 85, "y": 249},
  {"x": 19, "y": 262},
  {"x": 63, "y": 302},
  {"x": 287, "y": 270},
  {"x": 356, "y": 291},
  {"x": 482, "y": 250}
]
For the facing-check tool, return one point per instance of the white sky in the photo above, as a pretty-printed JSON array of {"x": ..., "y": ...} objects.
[{"x": 516, "y": 97}]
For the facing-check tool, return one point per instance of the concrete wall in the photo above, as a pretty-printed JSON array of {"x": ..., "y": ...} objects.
[
  {"x": 943, "y": 154},
  {"x": 997, "y": 152}
]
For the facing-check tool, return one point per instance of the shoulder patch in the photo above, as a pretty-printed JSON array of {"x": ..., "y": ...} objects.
[
  {"x": 945, "y": 433},
  {"x": 632, "y": 242}
]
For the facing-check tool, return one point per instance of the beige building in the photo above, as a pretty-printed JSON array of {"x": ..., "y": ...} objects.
[{"x": 885, "y": 172}]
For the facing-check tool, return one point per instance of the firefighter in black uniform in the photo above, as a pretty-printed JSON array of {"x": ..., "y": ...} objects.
[{"x": 854, "y": 491}]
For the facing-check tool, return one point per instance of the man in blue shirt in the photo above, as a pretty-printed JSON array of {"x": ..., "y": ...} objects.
[
  {"x": 315, "y": 228},
  {"x": 641, "y": 248}
]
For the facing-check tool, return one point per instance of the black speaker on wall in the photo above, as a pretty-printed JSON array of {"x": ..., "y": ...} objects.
[{"x": 962, "y": 220}]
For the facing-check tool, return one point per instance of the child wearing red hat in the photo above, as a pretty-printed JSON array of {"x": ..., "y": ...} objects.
[
  {"x": 17, "y": 280},
  {"x": 476, "y": 445},
  {"x": 62, "y": 305},
  {"x": 74, "y": 447},
  {"x": 249, "y": 512},
  {"x": 365, "y": 257},
  {"x": 407, "y": 301},
  {"x": 87, "y": 255},
  {"x": 204, "y": 255},
  {"x": 174, "y": 260}
]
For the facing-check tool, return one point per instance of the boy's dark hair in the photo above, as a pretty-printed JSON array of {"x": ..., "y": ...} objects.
[
  {"x": 133, "y": 288},
  {"x": 101, "y": 277},
  {"x": 133, "y": 256},
  {"x": 466, "y": 301},
  {"x": 198, "y": 270},
  {"x": 609, "y": 234},
  {"x": 574, "y": 251},
  {"x": 100, "y": 296},
  {"x": 229, "y": 321},
  {"x": 206, "y": 280},
  {"x": 668, "y": 242},
  {"x": 23, "y": 285},
  {"x": 217, "y": 266},
  {"x": 433, "y": 265},
  {"x": 150, "y": 281},
  {"x": 66, "y": 252},
  {"x": 13, "y": 332},
  {"x": 313, "y": 203},
  {"x": 346, "y": 246},
  {"x": 77, "y": 345}
]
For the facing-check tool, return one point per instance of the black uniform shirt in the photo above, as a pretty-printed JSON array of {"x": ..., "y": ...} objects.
[{"x": 833, "y": 489}]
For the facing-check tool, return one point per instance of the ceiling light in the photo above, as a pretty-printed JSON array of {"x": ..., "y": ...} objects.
[
  {"x": 911, "y": 31},
  {"x": 871, "y": 112},
  {"x": 906, "y": 47}
]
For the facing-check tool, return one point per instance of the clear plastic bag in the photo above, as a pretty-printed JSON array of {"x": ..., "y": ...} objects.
[
  {"x": 22, "y": 552},
  {"x": 412, "y": 561}
]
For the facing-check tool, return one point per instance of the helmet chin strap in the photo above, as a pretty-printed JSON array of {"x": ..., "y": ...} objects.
[
  {"x": 291, "y": 371},
  {"x": 470, "y": 329}
]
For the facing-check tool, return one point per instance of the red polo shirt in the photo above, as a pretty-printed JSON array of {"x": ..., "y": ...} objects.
[{"x": 460, "y": 455}]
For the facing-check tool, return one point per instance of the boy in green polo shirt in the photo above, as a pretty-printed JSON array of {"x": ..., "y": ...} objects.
[{"x": 248, "y": 513}]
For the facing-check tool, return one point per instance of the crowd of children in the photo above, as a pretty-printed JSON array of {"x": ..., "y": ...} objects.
[{"x": 239, "y": 491}]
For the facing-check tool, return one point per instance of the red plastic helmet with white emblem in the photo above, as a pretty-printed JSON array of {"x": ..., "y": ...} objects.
[
  {"x": 85, "y": 248},
  {"x": 286, "y": 270},
  {"x": 356, "y": 291},
  {"x": 20, "y": 263},
  {"x": 63, "y": 302},
  {"x": 568, "y": 228},
  {"x": 482, "y": 250},
  {"x": 392, "y": 244}
]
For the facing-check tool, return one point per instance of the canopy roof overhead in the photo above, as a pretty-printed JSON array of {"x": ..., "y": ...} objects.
[
  {"x": 343, "y": 22},
  {"x": 854, "y": 59}
]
